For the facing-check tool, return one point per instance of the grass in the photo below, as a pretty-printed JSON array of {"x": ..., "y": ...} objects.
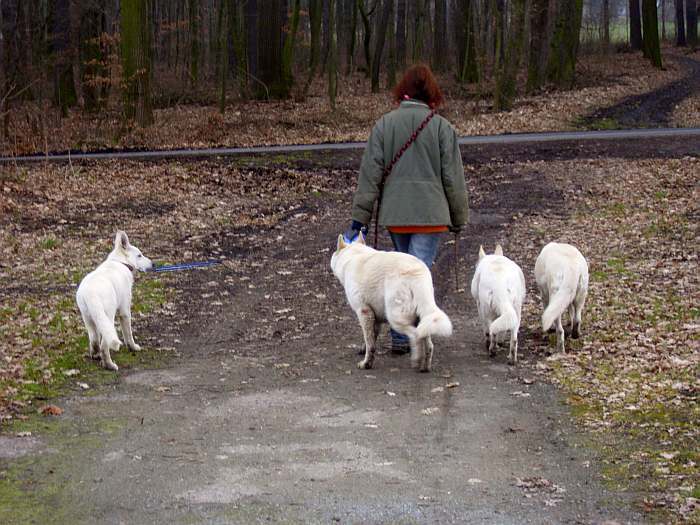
[{"x": 56, "y": 343}]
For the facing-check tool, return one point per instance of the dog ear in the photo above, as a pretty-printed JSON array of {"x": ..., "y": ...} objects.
[
  {"x": 482, "y": 253},
  {"x": 499, "y": 250},
  {"x": 341, "y": 243},
  {"x": 361, "y": 238},
  {"x": 121, "y": 240}
]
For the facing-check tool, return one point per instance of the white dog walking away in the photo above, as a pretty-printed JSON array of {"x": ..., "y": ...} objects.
[
  {"x": 106, "y": 291},
  {"x": 498, "y": 287},
  {"x": 561, "y": 273},
  {"x": 390, "y": 287}
]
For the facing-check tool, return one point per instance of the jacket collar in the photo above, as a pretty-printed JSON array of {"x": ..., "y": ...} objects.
[{"x": 412, "y": 102}]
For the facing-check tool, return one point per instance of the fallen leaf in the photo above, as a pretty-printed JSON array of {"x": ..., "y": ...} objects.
[{"x": 51, "y": 410}]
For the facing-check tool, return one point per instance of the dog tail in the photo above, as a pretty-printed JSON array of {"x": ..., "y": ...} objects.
[
  {"x": 558, "y": 303},
  {"x": 508, "y": 320},
  {"x": 434, "y": 323}
]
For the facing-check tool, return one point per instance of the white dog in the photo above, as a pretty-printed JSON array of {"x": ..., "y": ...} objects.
[
  {"x": 390, "y": 287},
  {"x": 106, "y": 291},
  {"x": 498, "y": 287},
  {"x": 561, "y": 273}
]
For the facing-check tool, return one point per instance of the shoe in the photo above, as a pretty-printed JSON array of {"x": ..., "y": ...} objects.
[{"x": 400, "y": 348}]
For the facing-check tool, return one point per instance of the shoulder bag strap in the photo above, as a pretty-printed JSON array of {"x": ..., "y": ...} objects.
[{"x": 390, "y": 166}]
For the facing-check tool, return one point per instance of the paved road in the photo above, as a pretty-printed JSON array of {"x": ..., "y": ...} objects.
[{"x": 515, "y": 138}]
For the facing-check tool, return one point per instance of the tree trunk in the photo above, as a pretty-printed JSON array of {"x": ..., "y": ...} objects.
[
  {"x": 332, "y": 56},
  {"x": 539, "y": 25},
  {"x": 353, "y": 36},
  {"x": 379, "y": 44},
  {"x": 561, "y": 66},
  {"x": 691, "y": 15},
  {"x": 440, "y": 55},
  {"x": 506, "y": 81},
  {"x": 3, "y": 76},
  {"x": 391, "y": 57},
  {"x": 315, "y": 26},
  {"x": 236, "y": 38},
  {"x": 64, "y": 87},
  {"x": 401, "y": 34},
  {"x": 222, "y": 55},
  {"x": 419, "y": 30},
  {"x": 605, "y": 22},
  {"x": 635, "y": 25},
  {"x": 136, "y": 54},
  {"x": 91, "y": 56},
  {"x": 251, "y": 19},
  {"x": 288, "y": 52},
  {"x": 367, "y": 40},
  {"x": 468, "y": 67},
  {"x": 680, "y": 24},
  {"x": 193, "y": 18},
  {"x": 650, "y": 20},
  {"x": 270, "y": 52}
]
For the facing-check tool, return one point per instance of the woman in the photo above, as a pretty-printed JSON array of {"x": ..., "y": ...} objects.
[{"x": 424, "y": 194}]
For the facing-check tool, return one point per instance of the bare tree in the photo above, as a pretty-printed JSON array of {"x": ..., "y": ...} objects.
[
  {"x": 635, "y": 25},
  {"x": 691, "y": 16},
  {"x": 650, "y": 20},
  {"x": 680, "y": 24},
  {"x": 388, "y": 7},
  {"x": 136, "y": 52}
]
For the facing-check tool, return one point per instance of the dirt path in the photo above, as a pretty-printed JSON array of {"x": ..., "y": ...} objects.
[
  {"x": 649, "y": 110},
  {"x": 263, "y": 417}
]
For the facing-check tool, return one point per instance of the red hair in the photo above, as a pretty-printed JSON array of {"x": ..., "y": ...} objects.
[{"x": 419, "y": 83}]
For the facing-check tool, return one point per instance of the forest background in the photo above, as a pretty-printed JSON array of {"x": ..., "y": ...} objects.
[{"x": 91, "y": 75}]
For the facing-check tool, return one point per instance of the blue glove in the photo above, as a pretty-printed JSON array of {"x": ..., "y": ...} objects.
[{"x": 351, "y": 235}]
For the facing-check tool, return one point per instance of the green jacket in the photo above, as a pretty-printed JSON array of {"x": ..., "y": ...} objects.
[{"x": 426, "y": 186}]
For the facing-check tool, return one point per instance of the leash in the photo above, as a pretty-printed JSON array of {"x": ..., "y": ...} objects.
[
  {"x": 456, "y": 266},
  {"x": 387, "y": 171},
  {"x": 184, "y": 266}
]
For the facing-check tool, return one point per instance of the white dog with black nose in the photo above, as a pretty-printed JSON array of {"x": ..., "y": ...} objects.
[
  {"x": 106, "y": 291},
  {"x": 498, "y": 288},
  {"x": 561, "y": 272}
]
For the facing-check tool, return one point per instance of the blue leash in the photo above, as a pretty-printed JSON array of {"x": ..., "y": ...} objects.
[{"x": 184, "y": 266}]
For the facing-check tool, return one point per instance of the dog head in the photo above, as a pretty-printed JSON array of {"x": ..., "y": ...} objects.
[
  {"x": 342, "y": 245},
  {"x": 497, "y": 251},
  {"x": 129, "y": 253}
]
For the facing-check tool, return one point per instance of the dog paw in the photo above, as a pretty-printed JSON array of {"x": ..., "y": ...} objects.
[
  {"x": 111, "y": 366},
  {"x": 135, "y": 348},
  {"x": 364, "y": 365}
]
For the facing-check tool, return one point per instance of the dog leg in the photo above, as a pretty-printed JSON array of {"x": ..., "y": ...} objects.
[
  {"x": 125, "y": 322},
  {"x": 513, "y": 352},
  {"x": 93, "y": 340},
  {"x": 428, "y": 357},
  {"x": 368, "y": 325},
  {"x": 104, "y": 353},
  {"x": 560, "y": 336},
  {"x": 576, "y": 319},
  {"x": 492, "y": 344}
]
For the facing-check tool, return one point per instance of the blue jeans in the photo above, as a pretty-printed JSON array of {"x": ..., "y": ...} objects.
[{"x": 421, "y": 245}]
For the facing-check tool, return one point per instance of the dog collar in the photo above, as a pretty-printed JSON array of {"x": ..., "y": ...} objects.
[{"x": 131, "y": 268}]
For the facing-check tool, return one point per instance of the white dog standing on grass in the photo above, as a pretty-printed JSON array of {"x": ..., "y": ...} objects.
[
  {"x": 106, "y": 291},
  {"x": 498, "y": 287},
  {"x": 561, "y": 273},
  {"x": 390, "y": 287}
]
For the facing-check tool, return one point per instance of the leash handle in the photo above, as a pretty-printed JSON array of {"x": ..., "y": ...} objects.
[{"x": 387, "y": 171}]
